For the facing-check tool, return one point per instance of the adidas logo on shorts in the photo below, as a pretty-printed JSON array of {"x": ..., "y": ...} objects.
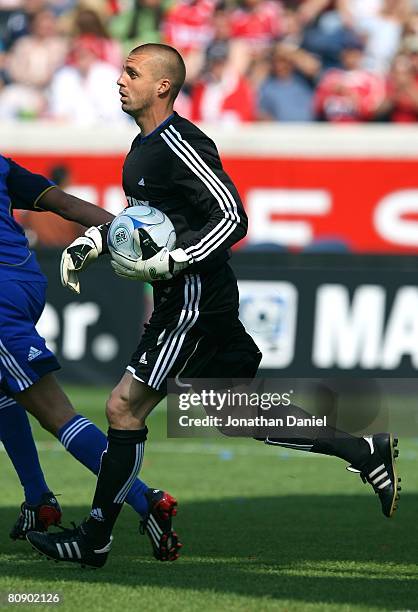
[
  {"x": 144, "y": 359},
  {"x": 33, "y": 353}
]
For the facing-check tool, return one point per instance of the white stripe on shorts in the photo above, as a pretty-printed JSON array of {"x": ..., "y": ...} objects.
[
  {"x": 175, "y": 339},
  {"x": 7, "y": 401},
  {"x": 14, "y": 368}
]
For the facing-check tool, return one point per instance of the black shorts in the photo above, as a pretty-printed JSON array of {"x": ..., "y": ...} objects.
[{"x": 195, "y": 332}]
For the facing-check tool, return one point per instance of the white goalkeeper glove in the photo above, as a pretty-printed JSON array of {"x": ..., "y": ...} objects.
[
  {"x": 160, "y": 263},
  {"x": 81, "y": 253}
]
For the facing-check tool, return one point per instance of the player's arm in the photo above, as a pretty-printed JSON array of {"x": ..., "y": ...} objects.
[
  {"x": 30, "y": 191},
  {"x": 72, "y": 208}
]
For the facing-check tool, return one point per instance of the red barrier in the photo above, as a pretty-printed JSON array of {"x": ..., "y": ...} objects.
[{"x": 371, "y": 204}]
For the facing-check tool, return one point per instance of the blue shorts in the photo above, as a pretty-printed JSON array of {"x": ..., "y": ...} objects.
[{"x": 24, "y": 357}]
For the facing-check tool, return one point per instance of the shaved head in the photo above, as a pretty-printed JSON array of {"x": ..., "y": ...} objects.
[{"x": 165, "y": 63}]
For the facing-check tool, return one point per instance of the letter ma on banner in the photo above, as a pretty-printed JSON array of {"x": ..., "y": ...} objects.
[{"x": 348, "y": 315}]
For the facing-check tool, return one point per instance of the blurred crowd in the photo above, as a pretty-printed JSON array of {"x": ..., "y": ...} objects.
[{"x": 247, "y": 60}]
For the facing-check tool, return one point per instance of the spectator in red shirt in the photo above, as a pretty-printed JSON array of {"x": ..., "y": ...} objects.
[
  {"x": 350, "y": 93},
  {"x": 410, "y": 48},
  {"x": 88, "y": 24},
  {"x": 188, "y": 27},
  {"x": 258, "y": 22},
  {"x": 223, "y": 94},
  {"x": 188, "y": 24},
  {"x": 401, "y": 102}
]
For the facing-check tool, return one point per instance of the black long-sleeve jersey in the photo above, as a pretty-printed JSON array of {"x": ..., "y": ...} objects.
[{"x": 177, "y": 169}]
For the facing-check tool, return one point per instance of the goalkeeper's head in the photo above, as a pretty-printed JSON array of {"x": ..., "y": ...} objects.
[{"x": 151, "y": 79}]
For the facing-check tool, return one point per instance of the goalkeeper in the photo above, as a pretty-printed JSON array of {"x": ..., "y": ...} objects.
[{"x": 194, "y": 329}]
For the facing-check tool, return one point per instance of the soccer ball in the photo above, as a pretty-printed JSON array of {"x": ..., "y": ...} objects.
[{"x": 121, "y": 239}]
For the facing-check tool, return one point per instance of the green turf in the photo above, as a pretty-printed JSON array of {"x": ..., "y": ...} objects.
[{"x": 263, "y": 529}]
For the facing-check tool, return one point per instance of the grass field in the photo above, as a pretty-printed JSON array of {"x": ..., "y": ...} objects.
[{"x": 263, "y": 529}]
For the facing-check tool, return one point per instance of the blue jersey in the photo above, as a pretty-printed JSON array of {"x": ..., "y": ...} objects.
[{"x": 19, "y": 189}]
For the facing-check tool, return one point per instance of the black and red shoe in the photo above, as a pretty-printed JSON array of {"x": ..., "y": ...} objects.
[
  {"x": 37, "y": 518},
  {"x": 158, "y": 525}
]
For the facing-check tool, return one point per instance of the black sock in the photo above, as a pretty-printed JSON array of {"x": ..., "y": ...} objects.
[
  {"x": 354, "y": 450},
  {"x": 317, "y": 439},
  {"x": 120, "y": 465}
]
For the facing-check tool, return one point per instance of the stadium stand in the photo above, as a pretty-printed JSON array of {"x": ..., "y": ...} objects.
[{"x": 247, "y": 60}]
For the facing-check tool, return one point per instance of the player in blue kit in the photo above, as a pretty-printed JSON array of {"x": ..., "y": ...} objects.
[{"x": 27, "y": 365}]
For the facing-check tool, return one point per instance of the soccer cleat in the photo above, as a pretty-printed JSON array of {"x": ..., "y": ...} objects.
[
  {"x": 69, "y": 545},
  {"x": 37, "y": 518},
  {"x": 380, "y": 470},
  {"x": 157, "y": 525}
]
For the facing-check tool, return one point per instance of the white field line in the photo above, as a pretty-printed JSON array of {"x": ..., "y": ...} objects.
[
  {"x": 189, "y": 448},
  {"x": 227, "y": 452}
]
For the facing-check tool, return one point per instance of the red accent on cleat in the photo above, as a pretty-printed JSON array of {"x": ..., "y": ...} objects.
[
  {"x": 162, "y": 508},
  {"x": 49, "y": 516},
  {"x": 166, "y": 506}
]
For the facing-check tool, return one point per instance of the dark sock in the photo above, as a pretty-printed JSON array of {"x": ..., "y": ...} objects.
[
  {"x": 324, "y": 440},
  {"x": 16, "y": 435},
  {"x": 354, "y": 450},
  {"x": 120, "y": 465},
  {"x": 87, "y": 443}
]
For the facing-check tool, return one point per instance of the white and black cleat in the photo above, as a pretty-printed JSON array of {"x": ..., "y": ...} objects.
[
  {"x": 380, "y": 470},
  {"x": 71, "y": 545}
]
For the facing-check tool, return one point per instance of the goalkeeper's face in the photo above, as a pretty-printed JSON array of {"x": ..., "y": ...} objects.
[{"x": 138, "y": 84}]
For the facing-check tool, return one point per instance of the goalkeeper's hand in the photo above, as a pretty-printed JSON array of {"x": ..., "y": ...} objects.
[
  {"x": 160, "y": 263},
  {"x": 81, "y": 253}
]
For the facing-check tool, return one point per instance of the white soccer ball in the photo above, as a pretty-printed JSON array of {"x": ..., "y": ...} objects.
[{"x": 121, "y": 236}]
